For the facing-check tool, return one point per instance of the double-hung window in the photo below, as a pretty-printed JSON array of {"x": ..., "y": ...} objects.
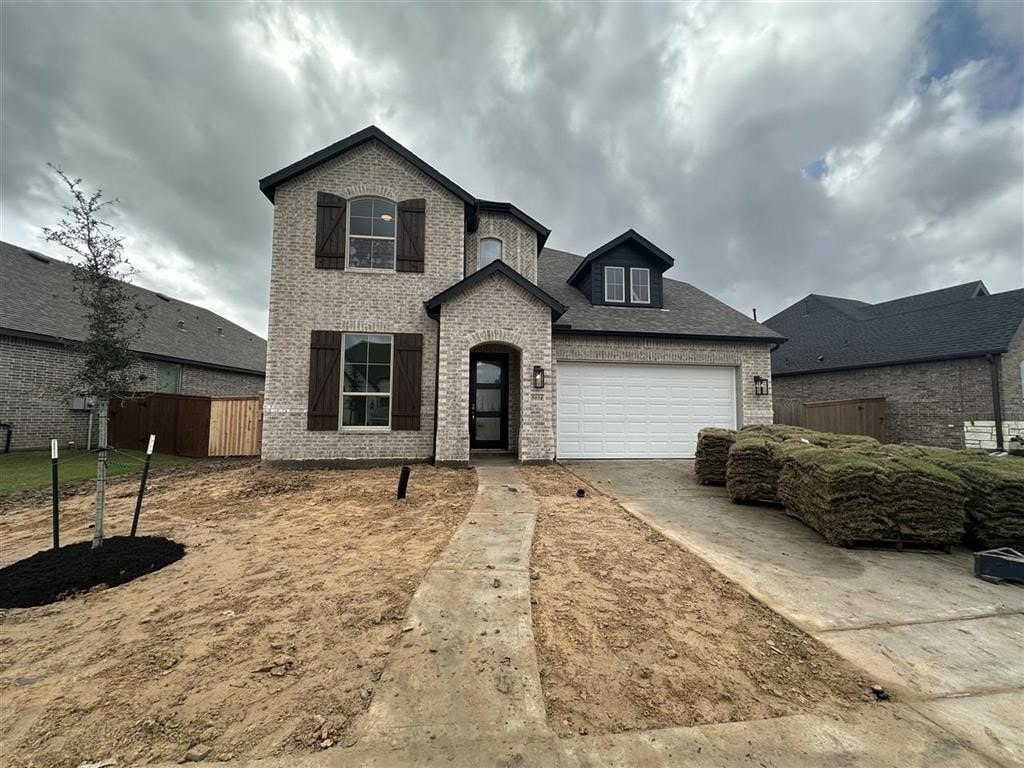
[
  {"x": 366, "y": 390},
  {"x": 639, "y": 285},
  {"x": 615, "y": 284},
  {"x": 371, "y": 233}
]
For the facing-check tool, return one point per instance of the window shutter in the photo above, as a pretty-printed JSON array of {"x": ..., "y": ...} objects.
[
  {"x": 324, "y": 380},
  {"x": 411, "y": 245},
  {"x": 330, "y": 231},
  {"x": 407, "y": 393}
]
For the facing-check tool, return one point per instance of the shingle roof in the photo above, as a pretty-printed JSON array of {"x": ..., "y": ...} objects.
[
  {"x": 961, "y": 321},
  {"x": 38, "y": 300},
  {"x": 688, "y": 311}
]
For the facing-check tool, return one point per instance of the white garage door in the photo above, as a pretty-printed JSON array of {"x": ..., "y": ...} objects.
[{"x": 626, "y": 411}]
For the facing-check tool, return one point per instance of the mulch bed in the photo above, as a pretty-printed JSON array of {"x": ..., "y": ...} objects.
[{"x": 55, "y": 574}]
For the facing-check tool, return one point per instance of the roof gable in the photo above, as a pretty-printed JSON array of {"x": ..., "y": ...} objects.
[
  {"x": 270, "y": 183},
  {"x": 493, "y": 206},
  {"x": 630, "y": 237},
  {"x": 433, "y": 305}
]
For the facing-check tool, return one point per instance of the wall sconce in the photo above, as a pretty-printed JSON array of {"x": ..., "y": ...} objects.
[
  {"x": 760, "y": 385},
  {"x": 538, "y": 377}
]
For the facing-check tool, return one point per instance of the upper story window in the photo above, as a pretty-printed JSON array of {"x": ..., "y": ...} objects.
[
  {"x": 615, "y": 284},
  {"x": 168, "y": 378},
  {"x": 490, "y": 250},
  {"x": 371, "y": 233},
  {"x": 639, "y": 285}
]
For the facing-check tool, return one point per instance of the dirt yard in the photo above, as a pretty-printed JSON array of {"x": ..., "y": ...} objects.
[
  {"x": 634, "y": 632},
  {"x": 267, "y": 638}
]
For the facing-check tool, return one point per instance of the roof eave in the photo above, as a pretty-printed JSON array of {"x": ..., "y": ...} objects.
[
  {"x": 629, "y": 234},
  {"x": 569, "y": 330},
  {"x": 433, "y": 304},
  {"x": 888, "y": 363}
]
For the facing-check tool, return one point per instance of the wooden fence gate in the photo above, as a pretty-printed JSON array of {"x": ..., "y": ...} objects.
[
  {"x": 843, "y": 417},
  {"x": 186, "y": 425}
]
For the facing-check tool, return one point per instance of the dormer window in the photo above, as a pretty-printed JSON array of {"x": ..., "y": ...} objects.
[
  {"x": 490, "y": 250},
  {"x": 371, "y": 234},
  {"x": 615, "y": 284},
  {"x": 640, "y": 286}
]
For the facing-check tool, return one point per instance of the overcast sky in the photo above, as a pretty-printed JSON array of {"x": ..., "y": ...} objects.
[{"x": 861, "y": 150}]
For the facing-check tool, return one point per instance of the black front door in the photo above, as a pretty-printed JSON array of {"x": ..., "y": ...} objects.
[{"x": 488, "y": 400}]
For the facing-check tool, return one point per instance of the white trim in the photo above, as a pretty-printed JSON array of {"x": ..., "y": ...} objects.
[
  {"x": 480, "y": 250},
  {"x": 341, "y": 388},
  {"x": 632, "y": 297},
  {"x": 349, "y": 235},
  {"x": 622, "y": 270}
]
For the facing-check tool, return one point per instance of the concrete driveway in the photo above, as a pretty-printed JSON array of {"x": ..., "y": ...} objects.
[{"x": 950, "y": 645}]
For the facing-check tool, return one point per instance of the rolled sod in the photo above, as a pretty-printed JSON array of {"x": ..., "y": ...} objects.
[{"x": 711, "y": 455}]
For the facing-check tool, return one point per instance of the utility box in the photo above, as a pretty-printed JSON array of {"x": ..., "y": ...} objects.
[{"x": 82, "y": 403}]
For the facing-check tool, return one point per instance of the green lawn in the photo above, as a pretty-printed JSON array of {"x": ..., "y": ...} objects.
[{"x": 25, "y": 470}]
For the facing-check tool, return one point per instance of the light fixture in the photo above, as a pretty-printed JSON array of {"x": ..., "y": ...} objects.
[
  {"x": 386, "y": 216},
  {"x": 538, "y": 377},
  {"x": 760, "y": 385}
]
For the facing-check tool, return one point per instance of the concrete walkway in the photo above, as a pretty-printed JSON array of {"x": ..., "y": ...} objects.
[{"x": 950, "y": 644}]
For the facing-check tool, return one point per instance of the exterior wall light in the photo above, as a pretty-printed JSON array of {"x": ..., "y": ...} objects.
[
  {"x": 760, "y": 385},
  {"x": 538, "y": 377}
]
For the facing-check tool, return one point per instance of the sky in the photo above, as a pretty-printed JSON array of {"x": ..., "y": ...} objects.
[{"x": 865, "y": 150}]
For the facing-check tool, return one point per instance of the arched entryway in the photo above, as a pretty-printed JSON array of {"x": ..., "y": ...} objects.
[{"x": 495, "y": 392}]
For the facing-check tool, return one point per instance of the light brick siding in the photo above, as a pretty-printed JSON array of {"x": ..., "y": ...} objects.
[
  {"x": 748, "y": 359},
  {"x": 303, "y": 299},
  {"x": 925, "y": 403},
  {"x": 519, "y": 243},
  {"x": 1011, "y": 375},
  {"x": 495, "y": 312},
  {"x": 34, "y": 374}
]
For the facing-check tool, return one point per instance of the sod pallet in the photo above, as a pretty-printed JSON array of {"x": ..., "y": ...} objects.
[
  {"x": 711, "y": 455},
  {"x": 752, "y": 472},
  {"x": 994, "y": 494}
]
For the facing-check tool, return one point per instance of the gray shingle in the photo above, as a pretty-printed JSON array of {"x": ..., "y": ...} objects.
[
  {"x": 688, "y": 311},
  {"x": 829, "y": 334},
  {"x": 37, "y": 298}
]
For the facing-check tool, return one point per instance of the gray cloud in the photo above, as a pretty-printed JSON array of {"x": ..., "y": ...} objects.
[{"x": 690, "y": 123}]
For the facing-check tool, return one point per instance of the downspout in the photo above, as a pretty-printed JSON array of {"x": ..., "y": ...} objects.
[
  {"x": 997, "y": 398},
  {"x": 437, "y": 381}
]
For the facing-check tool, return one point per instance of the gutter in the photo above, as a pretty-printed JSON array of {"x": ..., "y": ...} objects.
[{"x": 997, "y": 397}]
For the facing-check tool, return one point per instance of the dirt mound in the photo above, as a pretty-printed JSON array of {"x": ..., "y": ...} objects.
[{"x": 55, "y": 574}]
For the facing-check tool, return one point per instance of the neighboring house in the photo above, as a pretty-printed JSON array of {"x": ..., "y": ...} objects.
[
  {"x": 410, "y": 320},
  {"x": 183, "y": 349},
  {"x": 948, "y": 362}
]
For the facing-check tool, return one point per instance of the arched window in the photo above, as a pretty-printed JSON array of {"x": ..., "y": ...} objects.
[
  {"x": 371, "y": 233},
  {"x": 490, "y": 250}
]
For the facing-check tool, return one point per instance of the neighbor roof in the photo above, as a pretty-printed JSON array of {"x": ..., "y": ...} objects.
[
  {"x": 39, "y": 302},
  {"x": 433, "y": 305},
  {"x": 688, "y": 312},
  {"x": 827, "y": 334},
  {"x": 630, "y": 235}
]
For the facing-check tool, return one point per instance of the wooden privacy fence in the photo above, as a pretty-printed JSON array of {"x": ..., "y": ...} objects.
[
  {"x": 844, "y": 417},
  {"x": 186, "y": 425}
]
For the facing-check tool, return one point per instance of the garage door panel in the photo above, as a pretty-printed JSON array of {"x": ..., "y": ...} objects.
[{"x": 640, "y": 411}]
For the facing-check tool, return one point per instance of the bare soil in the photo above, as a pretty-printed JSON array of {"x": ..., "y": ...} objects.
[
  {"x": 634, "y": 632},
  {"x": 267, "y": 638}
]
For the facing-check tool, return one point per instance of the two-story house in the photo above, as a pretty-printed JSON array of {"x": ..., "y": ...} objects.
[{"x": 410, "y": 320}]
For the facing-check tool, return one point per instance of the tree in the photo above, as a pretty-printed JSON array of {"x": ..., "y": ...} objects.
[{"x": 114, "y": 319}]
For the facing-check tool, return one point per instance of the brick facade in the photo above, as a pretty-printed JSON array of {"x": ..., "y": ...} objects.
[
  {"x": 925, "y": 403},
  {"x": 303, "y": 298},
  {"x": 496, "y": 312},
  {"x": 518, "y": 243},
  {"x": 34, "y": 374},
  {"x": 748, "y": 359}
]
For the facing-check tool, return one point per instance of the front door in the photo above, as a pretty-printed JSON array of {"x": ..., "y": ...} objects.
[{"x": 488, "y": 400}]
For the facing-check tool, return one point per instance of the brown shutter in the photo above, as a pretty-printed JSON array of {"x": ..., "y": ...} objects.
[
  {"x": 324, "y": 380},
  {"x": 407, "y": 394},
  {"x": 330, "y": 231},
  {"x": 411, "y": 244}
]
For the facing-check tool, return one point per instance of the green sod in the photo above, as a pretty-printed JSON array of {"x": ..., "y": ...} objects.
[{"x": 28, "y": 470}]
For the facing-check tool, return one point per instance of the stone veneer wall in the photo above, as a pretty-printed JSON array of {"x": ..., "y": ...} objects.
[
  {"x": 925, "y": 403},
  {"x": 496, "y": 311},
  {"x": 33, "y": 375},
  {"x": 303, "y": 298},
  {"x": 749, "y": 360},
  {"x": 519, "y": 243},
  {"x": 982, "y": 434}
]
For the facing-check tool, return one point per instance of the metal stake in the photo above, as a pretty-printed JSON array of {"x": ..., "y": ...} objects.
[
  {"x": 142, "y": 485},
  {"x": 56, "y": 497}
]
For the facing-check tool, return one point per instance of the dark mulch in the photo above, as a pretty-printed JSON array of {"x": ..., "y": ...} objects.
[{"x": 55, "y": 574}]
